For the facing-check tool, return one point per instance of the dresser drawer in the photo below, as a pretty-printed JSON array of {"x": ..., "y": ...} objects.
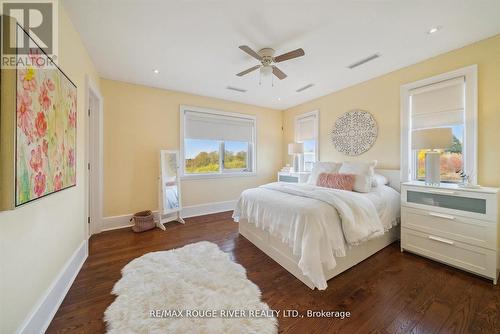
[
  {"x": 288, "y": 178},
  {"x": 458, "y": 228},
  {"x": 471, "y": 204},
  {"x": 472, "y": 258}
]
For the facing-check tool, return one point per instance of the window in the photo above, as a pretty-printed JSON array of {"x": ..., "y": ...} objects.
[
  {"x": 216, "y": 143},
  {"x": 236, "y": 155},
  {"x": 201, "y": 156},
  {"x": 448, "y": 100},
  {"x": 306, "y": 131}
]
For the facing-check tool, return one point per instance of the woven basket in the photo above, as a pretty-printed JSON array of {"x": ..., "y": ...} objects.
[{"x": 143, "y": 221}]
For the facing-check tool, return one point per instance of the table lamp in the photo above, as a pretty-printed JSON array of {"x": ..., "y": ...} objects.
[
  {"x": 432, "y": 140},
  {"x": 296, "y": 149}
]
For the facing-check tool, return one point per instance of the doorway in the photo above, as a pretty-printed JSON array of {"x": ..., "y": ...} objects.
[{"x": 94, "y": 161}]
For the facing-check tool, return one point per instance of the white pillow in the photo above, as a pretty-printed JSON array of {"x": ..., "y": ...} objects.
[
  {"x": 323, "y": 167},
  {"x": 364, "y": 173},
  {"x": 379, "y": 180}
]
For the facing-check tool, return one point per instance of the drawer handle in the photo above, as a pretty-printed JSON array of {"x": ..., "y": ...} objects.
[
  {"x": 446, "y": 241},
  {"x": 442, "y": 192},
  {"x": 441, "y": 215}
]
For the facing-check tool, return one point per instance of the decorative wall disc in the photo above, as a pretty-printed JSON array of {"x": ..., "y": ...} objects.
[{"x": 354, "y": 132}]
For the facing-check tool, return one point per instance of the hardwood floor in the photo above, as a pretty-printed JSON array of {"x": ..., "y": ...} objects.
[{"x": 390, "y": 292}]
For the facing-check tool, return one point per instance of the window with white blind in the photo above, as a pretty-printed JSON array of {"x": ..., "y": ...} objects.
[
  {"x": 306, "y": 131},
  {"x": 447, "y": 100},
  {"x": 216, "y": 143}
]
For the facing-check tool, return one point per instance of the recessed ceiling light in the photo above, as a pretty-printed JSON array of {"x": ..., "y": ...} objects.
[
  {"x": 156, "y": 71},
  {"x": 279, "y": 98},
  {"x": 434, "y": 30}
]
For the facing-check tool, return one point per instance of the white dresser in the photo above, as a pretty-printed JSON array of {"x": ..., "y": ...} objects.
[
  {"x": 453, "y": 225},
  {"x": 293, "y": 177}
]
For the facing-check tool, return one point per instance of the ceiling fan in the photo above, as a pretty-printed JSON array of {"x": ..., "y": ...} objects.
[{"x": 267, "y": 60}]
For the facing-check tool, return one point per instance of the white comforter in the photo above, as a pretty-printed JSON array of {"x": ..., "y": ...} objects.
[{"x": 318, "y": 223}]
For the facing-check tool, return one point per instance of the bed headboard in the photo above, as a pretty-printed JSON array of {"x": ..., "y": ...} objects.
[{"x": 394, "y": 177}]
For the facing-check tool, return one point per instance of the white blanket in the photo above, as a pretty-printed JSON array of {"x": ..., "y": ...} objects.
[
  {"x": 307, "y": 218},
  {"x": 360, "y": 220}
]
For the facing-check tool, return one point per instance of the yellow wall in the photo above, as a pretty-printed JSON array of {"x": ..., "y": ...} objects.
[
  {"x": 36, "y": 240},
  {"x": 380, "y": 96},
  {"x": 139, "y": 121}
]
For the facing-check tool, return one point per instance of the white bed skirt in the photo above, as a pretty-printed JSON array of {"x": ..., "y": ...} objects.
[{"x": 282, "y": 253}]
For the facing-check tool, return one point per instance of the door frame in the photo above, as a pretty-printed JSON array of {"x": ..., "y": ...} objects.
[{"x": 94, "y": 168}]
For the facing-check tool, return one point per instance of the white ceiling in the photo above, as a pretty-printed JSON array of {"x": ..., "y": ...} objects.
[{"x": 194, "y": 43}]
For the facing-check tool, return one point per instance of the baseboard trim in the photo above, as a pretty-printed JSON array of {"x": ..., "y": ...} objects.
[
  {"x": 116, "y": 222},
  {"x": 44, "y": 311},
  {"x": 206, "y": 209},
  {"x": 122, "y": 221}
]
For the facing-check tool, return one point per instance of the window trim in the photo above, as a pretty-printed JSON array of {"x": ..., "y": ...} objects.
[
  {"x": 252, "y": 147},
  {"x": 316, "y": 129},
  {"x": 470, "y": 124}
]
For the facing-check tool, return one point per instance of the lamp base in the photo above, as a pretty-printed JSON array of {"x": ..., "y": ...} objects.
[
  {"x": 432, "y": 168},
  {"x": 296, "y": 163}
]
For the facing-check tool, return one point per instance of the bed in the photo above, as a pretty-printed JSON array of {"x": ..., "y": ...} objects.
[{"x": 299, "y": 225}]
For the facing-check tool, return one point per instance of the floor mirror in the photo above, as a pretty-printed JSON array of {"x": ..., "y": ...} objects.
[{"x": 170, "y": 204}]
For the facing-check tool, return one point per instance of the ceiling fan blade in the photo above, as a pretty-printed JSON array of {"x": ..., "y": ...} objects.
[
  {"x": 279, "y": 73},
  {"x": 251, "y": 52},
  {"x": 248, "y": 71},
  {"x": 289, "y": 55}
]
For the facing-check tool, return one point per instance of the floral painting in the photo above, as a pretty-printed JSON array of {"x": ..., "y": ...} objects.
[{"x": 45, "y": 131}]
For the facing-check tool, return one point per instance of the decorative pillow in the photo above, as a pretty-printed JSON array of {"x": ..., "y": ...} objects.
[
  {"x": 364, "y": 173},
  {"x": 323, "y": 167},
  {"x": 379, "y": 180},
  {"x": 336, "y": 181}
]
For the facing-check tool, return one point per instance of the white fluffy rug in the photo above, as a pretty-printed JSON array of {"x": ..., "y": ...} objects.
[{"x": 195, "y": 277}]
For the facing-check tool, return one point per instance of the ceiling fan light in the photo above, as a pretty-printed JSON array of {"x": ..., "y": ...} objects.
[{"x": 266, "y": 71}]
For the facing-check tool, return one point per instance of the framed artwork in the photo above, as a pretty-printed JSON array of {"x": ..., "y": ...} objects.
[
  {"x": 354, "y": 132},
  {"x": 45, "y": 134}
]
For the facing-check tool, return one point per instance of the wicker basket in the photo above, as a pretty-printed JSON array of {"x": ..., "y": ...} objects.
[{"x": 143, "y": 221}]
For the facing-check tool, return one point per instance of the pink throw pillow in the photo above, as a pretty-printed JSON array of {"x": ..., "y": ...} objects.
[{"x": 336, "y": 181}]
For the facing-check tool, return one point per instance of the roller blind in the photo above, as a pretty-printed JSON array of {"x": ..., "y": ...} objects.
[
  {"x": 200, "y": 125},
  {"x": 437, "y": 105},
  {"x": 306, "y": 128}
]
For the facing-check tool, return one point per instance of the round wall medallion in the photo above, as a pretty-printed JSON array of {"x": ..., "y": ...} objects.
[{"x": 354, "y": 132}]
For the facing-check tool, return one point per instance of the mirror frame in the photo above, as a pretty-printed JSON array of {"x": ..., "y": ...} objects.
[{"x": 162, "y": 210}]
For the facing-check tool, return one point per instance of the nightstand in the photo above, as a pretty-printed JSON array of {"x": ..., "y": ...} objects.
[
  {"x": 456, "y": 226},
  {"x": 293, "y": 177}
]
